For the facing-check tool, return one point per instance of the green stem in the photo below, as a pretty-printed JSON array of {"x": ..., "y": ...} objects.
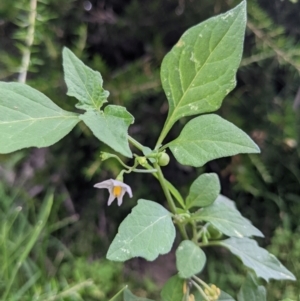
[
  {"x": 164, "y": 147},
  {"x": 166, "y": 185},
  {"x": 164, "y": 133},
  {"x": 172, "y": 189},
  {"x": 201, "y": 282},
  {"x": 167, "y": 193},
  {"x": 118, "y": 293},
  {"x": 169, "y": 198},
  {"x": 201, "y": 291},
  {"x": 195, "y": 234},
  {"x": 210, "y": 244},
  {"x": 135, "y": 143},
  {"x": 144, "y": 170},
  {"x": 183, "y": 232},
  {"x": 120, "y": 161}
]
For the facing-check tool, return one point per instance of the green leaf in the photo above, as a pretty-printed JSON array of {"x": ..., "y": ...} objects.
[
  {"x": 227, "y": 219},
  {"x": 223, "y": 297},
  {"x": 190, "y": 259},
  {"x": 29, "y": 118},
  {"x": 173, "y": 289},
  {"x": 146, "y": 232},
  {"x": 110, "y": 127},
  {"x": 129, "y": 296},
  {"x": 200, "y": 69},
  {"x": 250, "y": 290},
  {"x": 209, "y": 137},
  {"x": 265, "y": 265},
  {"x": 83, "y": 83},
  {"x": 204, "y": 190}
]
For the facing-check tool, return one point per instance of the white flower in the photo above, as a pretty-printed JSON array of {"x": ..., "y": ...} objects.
[{"x": 116, "y": 189}]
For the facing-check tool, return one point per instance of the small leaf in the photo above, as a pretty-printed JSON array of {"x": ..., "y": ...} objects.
[
  {"x": 200, "y": 69},
  {"x": 110, "y": 127},
  {"x": 250, "y": 290},
  {"x": 83, "y": 83},
  {"x": 146, "y": 232},
  {"x": 29, "y": 118},
  {"x": 129, "y": 296},
  {"x": 265, "y": 265},
  {"x": 190, "y": 259},
  {"x": 227, "y": 219},
  {"x": 209, "y": 137},
  {"x": 173, "y": 289},
  {"x": 204, "y": 190}
]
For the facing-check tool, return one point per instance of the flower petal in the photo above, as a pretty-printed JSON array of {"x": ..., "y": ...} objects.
[
  {"x": 120, "y": 197},
  {"x": 105, "y": 184},
  {"x": 111, "y": 199}
]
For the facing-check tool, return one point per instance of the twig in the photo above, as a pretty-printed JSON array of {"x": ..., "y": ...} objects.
[
  {"x": 28, "y": 42},
  {"x": 283, "y": 55}
]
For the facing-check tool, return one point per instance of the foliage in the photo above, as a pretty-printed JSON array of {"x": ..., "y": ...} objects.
[
  {"x": 136, "y": 84},
  {"x": 192, "y": 89},
  {"x": 26, "y": 236}
]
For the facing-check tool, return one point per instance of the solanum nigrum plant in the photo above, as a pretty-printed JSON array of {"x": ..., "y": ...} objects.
[{"x": 196, "y": 75}]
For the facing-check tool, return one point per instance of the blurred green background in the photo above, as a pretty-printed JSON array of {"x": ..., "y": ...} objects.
[{"x": 126, "y": 40}]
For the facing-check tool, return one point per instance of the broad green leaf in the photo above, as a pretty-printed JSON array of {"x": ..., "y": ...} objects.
[
  {"x": 29, "y": 118},
  {"x": 250, "y": 290},
  {"x": 265, "y": 265},
  {"x": 129, "y": 296},
  {"x": 173, "y": 289},
  {"x": 190, "y": 259},
  {"x": 110, "y": 126},
  {"x": 204, "y": 190},
  {"x": 209, "y": 137},
  {"x": 83, "y": 83},
  {"x": 146, "y": 232},
  {"x": 200, "y": 69},
  {"x": 227, "y": 219}
]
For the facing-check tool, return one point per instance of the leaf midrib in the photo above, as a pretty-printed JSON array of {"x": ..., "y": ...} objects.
[
  {"x": 183, "y": 95},
  {"x": 39, "y": 118}
]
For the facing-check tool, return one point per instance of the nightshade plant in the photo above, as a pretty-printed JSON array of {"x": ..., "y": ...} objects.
[{"x": 196, "y": 75}]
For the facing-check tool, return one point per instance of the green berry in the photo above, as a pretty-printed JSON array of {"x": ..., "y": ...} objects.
[
  {"x": 214, "y": 232},
  {"x": 163, "y": 159}
]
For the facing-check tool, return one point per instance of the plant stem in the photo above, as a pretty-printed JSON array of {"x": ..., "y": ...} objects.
[
  {"x": 144, "y": 170},
  {"x": 28, "y": 42},
  {"x": 183, "y": 232},
  {"x": 166, "y": 186},
  {"x": 201, "y": 282},
  {"x": 201, "y": 291},
  {"x": 167, "y": 193},
  {"x": 170, "y": 186},
  {"x": 118, "y": 293},
  {"x": 163, "y": 134},
  {"x": 135, "y": 143},
  {"x": 169, "y": 198}
]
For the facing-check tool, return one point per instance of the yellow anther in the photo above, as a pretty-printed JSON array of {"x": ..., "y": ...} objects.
[
  {"x": 117, "y": 191},
  {"x": 191, "y": 297}
]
